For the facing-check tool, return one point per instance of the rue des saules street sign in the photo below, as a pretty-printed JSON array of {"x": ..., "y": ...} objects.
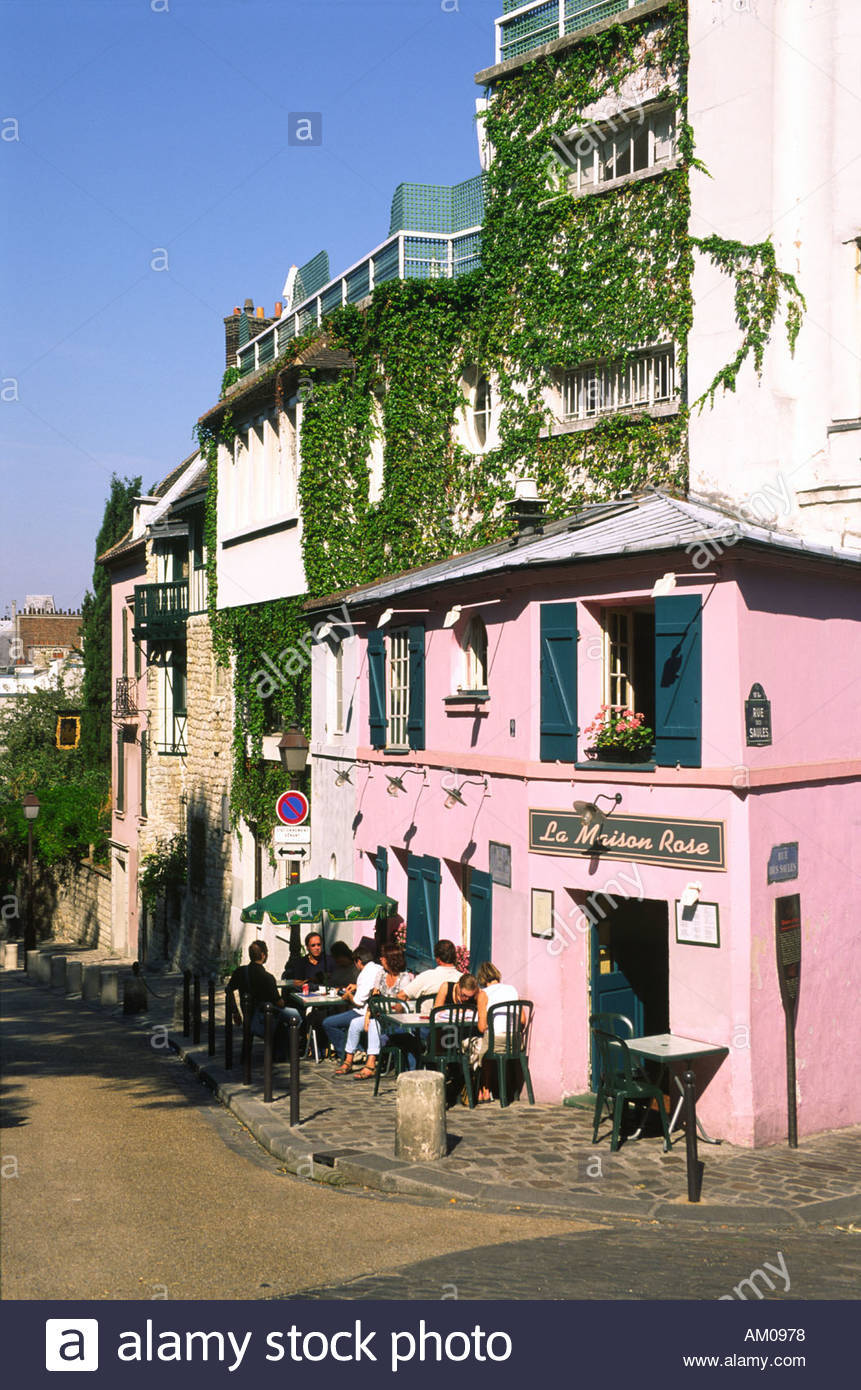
[{"x": 687, "y": 844}]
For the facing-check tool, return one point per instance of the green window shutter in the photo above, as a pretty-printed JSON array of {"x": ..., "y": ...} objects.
[
  {"x": 480, "y": 918},
  {"x": 423, "y": 883},
  {"x": 382, "y": 867},
  {"x": 377, "y": 688},
  {"x": 416, "y": 719},
  {"x": 121, "y": 771},
  {"x": 558, "y": 682},
  {"x": 678, "y": 680}
]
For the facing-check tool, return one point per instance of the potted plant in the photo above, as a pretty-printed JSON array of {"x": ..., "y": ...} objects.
[{"x": 619, "y": 735}]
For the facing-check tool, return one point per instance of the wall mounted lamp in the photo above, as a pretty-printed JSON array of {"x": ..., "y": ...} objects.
[
  {"x": 590, "y": 811},
  {"x": 691, "y": 896},
  {"x": 454, "y": 794},
  {"x": 396, "y": 782},
  {"x": 342, "y": 775}
]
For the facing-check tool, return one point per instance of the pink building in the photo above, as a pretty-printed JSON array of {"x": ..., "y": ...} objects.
[
  {"x": 126, "y": 563},
  {"x": 477, "y": 680}
]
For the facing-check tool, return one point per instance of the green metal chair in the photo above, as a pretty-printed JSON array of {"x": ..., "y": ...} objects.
[
  {"x": 449, "y": 1028},
  {"x": 508, "y": 1027},
  {"x": 382, "y": 1010},
  {"x": 619, "y": 1084}
]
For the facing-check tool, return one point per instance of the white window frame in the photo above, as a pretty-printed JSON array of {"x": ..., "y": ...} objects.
[
  {"x": 620, "y": 678},
  {"x": 397, "y": 688},
  {"x": 602, "y": 387},
  {"x": 475, "y": 654},
  {"x": 338, "y": 693},
  {"x": 595, "y": 153}
]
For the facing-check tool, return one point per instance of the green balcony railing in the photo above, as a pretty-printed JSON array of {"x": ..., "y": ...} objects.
[
  {"x": 161, "y": 611},
  {"x": 524, "y": 27}
]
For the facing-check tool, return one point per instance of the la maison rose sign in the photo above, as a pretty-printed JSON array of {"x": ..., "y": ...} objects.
[{"x": 686, "y": 844}]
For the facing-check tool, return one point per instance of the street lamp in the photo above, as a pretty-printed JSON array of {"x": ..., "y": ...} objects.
[
  {"x": 30, "y": 807},
  {"x": 293, "y": 748}
]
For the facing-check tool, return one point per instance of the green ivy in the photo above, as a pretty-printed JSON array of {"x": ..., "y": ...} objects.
[{"x": 563, "y": 280}]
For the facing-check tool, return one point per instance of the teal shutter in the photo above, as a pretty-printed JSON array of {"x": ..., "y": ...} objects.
[
  {"x": 423, "y": 882},
  {"x": 558, "y": 682},
  {"x": 382, "y": 867},
  {"x": 678, "y": 680},
  {"x": 480, "y": 919},
  {"x": 416, "y": 717},
  {"x": 377, "y": 688}
]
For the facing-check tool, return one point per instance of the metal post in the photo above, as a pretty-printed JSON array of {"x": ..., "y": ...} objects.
[
  {"x": 211, "y": 1017},
  {"x": 186, "y": 1003},
  {"x": 228, "y": 1030},
  {"x": 294, "y": 1071},
  {"x": 246, "y": 1039},
  {"x": 29, "y": 931},
  {"x": 196, "y": 1020},
  {"x": 690, "y": 1114},
  {"x": 268, "y": 1030},
  {"x": 791, "y": 1111}
]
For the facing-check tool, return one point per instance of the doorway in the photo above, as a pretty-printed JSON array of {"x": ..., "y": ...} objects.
[{"x": 630, "y": 971}]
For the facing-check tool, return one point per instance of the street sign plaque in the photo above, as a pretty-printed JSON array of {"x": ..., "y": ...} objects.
[
  {"x": 292, "y": 808},
  {"x": 757, "y": 718}
]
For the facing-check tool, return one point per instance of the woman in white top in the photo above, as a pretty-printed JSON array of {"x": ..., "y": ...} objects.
[{"x": 491, "y": 991}]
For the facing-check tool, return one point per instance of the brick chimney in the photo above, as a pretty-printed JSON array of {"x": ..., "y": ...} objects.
[{"x": 257, "y": 321}]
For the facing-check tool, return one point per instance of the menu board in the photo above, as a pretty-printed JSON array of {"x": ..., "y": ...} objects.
[
  {"x": 697, "y": 925},
  {"x": 787, "y": 913}
]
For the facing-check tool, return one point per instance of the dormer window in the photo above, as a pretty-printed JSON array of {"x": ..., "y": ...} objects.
[{"x": 475, "y": 655}]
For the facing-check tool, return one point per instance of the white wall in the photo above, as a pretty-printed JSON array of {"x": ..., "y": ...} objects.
[
  {"x": 333, "y": 808},
  {"x": 775, "y": 109}
]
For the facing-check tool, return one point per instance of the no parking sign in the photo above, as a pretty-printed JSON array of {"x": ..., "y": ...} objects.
[{"x": 292, "y": 808}]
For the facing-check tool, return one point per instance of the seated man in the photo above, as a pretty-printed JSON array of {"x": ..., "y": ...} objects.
[
  {"x": 351, "y": 1021},
  {"x": 344, "y": 971},
  {"x": 429, "y": 981},
  {"x": 255, "y": 981},
  {"x": 314, "y": 968}
]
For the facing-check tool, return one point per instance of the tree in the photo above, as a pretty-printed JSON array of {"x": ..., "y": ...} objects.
[
  {"x": 96, "y": 629},
  {"x": 73, "y": 801}
]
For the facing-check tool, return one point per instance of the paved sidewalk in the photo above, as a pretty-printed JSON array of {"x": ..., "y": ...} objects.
[{"x": 538, "y": 1158}]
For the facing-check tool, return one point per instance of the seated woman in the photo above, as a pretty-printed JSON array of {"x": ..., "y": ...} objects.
[
  {"x": 393, "y": 979},
  {"x": 464, "y": 991},
  {"x": 493, "y": 991}
]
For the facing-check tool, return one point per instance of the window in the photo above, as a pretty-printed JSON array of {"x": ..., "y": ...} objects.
[
  {"x": 481, "y": 411},
  {"x": 627, "y": 145},
  {"x": 121, "y": 773},
  {"x": 398, "y": 691},
  {"x": 605, "y": 388},
  {"x": 629, "y": 660},
  {"x": 338, "y": 659},
  {"x": 475, "y": 655}
]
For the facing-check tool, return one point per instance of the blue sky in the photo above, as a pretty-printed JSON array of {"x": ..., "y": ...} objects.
[{"x": 143, "y": 127}]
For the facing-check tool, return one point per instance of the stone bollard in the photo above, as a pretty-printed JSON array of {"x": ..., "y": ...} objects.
[
  {"x": 92, "y": 983},
  {"x": 420, "y": 1134},
  {"x": 10, "y": 955},
  {"x": 43, "y": 969},
  {"x": 110, "y": 988},
  {"x": 74, "y": 976},
  {"x": 58, "y": 972},
  {"x": 33, "y": 958}
]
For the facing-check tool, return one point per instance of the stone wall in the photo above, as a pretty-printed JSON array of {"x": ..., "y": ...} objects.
[{"x": 82, "y": 907}]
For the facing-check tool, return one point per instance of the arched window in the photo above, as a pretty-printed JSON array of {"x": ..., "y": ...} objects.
[{"x": 475, "y": 655}]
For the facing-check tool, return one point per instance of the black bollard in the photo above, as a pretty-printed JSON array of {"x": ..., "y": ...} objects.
[
  {"x": 294, "y": 1071},
  {"x": 196, "y": 1019},
  {"x": 268, "y": 1034},
  {"x": 186, "y": 1003},
  {"x": 211, "y": 1017},
  {"x": 228, "y": 1030},
  {"x": 690, "y": 1114},
  {"x": 246, "y": 1039}
]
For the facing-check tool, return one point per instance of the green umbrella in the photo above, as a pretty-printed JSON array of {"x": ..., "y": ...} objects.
[{"x": 339, "y": 899}]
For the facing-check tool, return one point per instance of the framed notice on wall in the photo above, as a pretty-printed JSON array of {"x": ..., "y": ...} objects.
[
  {"x": 542, "y": 913},
  {"x": 697, "y": 925}
]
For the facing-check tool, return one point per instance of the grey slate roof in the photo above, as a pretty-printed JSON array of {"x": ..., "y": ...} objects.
[{"x": 654, "y": 521}]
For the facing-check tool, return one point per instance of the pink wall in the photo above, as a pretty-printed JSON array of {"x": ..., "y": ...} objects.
[
  {"x": 802, "y": 653},
  {"x": 124, "y": 825}
]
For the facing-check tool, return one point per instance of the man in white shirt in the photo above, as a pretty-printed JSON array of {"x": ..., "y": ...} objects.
[
  {"x": 429, "y": 981},
  {"x": 356, "y": 996}
]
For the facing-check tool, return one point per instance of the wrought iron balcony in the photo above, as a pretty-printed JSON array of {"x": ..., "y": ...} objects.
[
  {"x": 161, "y": 611},
  {"x": 524, "y": 27},
  {"x": 175, "y": 738},
  {"x": 126, "y": 698}
]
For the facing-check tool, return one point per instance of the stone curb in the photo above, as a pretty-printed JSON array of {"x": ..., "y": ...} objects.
[{"x": 384, "y": 1173}]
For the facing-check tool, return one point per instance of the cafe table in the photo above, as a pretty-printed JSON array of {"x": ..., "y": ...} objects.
[
  {"x": 319, "y": 999},
  {"x": 677, "y": 1053}
]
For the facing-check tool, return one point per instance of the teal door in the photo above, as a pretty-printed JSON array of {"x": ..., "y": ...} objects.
[
  {"x": 423, "y": 880},
  {"x": 480, "y": 918},
  {"x": 630, "y": 968}
]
